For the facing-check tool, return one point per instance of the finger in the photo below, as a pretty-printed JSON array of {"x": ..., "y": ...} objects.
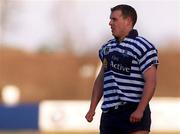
[
  {"x": 89, "y": 118},
  {"x": 133, "y": 119}
]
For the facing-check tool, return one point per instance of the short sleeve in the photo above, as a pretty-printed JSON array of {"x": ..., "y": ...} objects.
[
  {"x": 101, "y": 53},
  {"x": 148, "y": 58}
]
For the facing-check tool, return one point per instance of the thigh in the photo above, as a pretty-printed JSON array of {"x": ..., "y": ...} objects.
[
  {"x": 106, "y": 124},
  {"x": 109, "y": 123},
  {"x": 108, "y": 130},
  {"x": 140, "y": 132},
  {"x": 142, "y": 127}
]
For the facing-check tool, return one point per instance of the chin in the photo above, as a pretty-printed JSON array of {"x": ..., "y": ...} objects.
[{"x": 113, "y": 34}]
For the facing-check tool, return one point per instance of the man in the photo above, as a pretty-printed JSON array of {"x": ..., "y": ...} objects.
[{"x": 127, "y": 78}]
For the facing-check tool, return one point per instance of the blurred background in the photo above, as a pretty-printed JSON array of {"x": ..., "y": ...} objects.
[{"x": 49, "y": 60}]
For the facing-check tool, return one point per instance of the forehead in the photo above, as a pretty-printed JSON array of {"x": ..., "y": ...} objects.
[{"x": 116, "y": 14}]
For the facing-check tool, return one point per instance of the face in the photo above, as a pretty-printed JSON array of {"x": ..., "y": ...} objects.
[{"x": 118, "y": 24}]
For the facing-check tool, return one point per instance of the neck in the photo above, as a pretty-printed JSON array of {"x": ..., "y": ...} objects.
[
  {"x": 124, "y": 35},
  {"x": 122, "y": 38}
]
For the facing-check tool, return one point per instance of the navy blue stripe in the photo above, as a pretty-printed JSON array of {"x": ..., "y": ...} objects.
[
  {"x": 144, "y": 44},
  {"x": 147, "y": 58},
  {"x": 135, "y": 65},
  {"x": 112, "y": 41},
  {"x": 132, "y": 51},
  {"x": 120, "y": 95},
  {"x": 129, "y": 49},
  {"x": 134, "y": 44},
  {"x": 110, "y": 102},
  {"x": 125, "y": 48},
  {"x": 130, "y": 97},
  {"x": 111, "y": 95},
  {"x": 110, "y": 88},
  {"x": 123, "y": 90},
  {"x": 148, "y": 65},
  {"x": 124, "y": 84},
  {"x": 123, "y": 76},
  {"x": 149, "y": 43},
  {"x": 117, "y": 46},
  {"x": 117, "y": 52},
  {"x": 132, "y": 91},
  {"x": 134, "y": 72}
]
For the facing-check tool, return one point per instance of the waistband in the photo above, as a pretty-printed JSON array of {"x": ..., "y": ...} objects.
[{"x": 120, "y": 105}]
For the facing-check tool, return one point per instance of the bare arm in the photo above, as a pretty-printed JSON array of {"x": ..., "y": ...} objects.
[
  {"x": 96, "y": 95},
  {"x": 149, "y": 89}
]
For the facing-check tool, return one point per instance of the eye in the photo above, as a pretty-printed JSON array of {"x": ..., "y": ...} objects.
[{"x": 113, "y": 19}]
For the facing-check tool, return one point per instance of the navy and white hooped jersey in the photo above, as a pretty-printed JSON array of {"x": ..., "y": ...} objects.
[{"x": 124, "y": 65}]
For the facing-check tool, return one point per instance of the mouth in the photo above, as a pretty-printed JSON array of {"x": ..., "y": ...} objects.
[{"x": 112, "y": 30}]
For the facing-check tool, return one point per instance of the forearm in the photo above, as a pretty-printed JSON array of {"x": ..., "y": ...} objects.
[
  {"x": 149, "y": 89},
  {"x": 96, "y": 96},
  {"x": 97, "y": 90}
]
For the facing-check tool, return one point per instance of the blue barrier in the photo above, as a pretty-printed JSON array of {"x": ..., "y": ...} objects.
[{"x": 22, "y": 116}]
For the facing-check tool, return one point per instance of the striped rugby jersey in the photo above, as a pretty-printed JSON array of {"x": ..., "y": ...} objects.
[{"x": 124, "y": 64}]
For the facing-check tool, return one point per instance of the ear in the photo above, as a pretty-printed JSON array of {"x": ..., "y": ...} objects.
[{"x": 129, "y": 21}]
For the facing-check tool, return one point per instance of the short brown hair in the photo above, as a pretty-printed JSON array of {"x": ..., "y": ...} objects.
[{"x": 127, "y": 11}]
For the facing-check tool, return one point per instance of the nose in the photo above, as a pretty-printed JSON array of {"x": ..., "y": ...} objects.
[{"x": 110, "y": 22}]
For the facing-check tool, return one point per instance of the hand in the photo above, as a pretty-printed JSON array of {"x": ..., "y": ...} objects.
[
  {"x": 136, "y": 116},
  {"x": 89, "y": 116}
]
